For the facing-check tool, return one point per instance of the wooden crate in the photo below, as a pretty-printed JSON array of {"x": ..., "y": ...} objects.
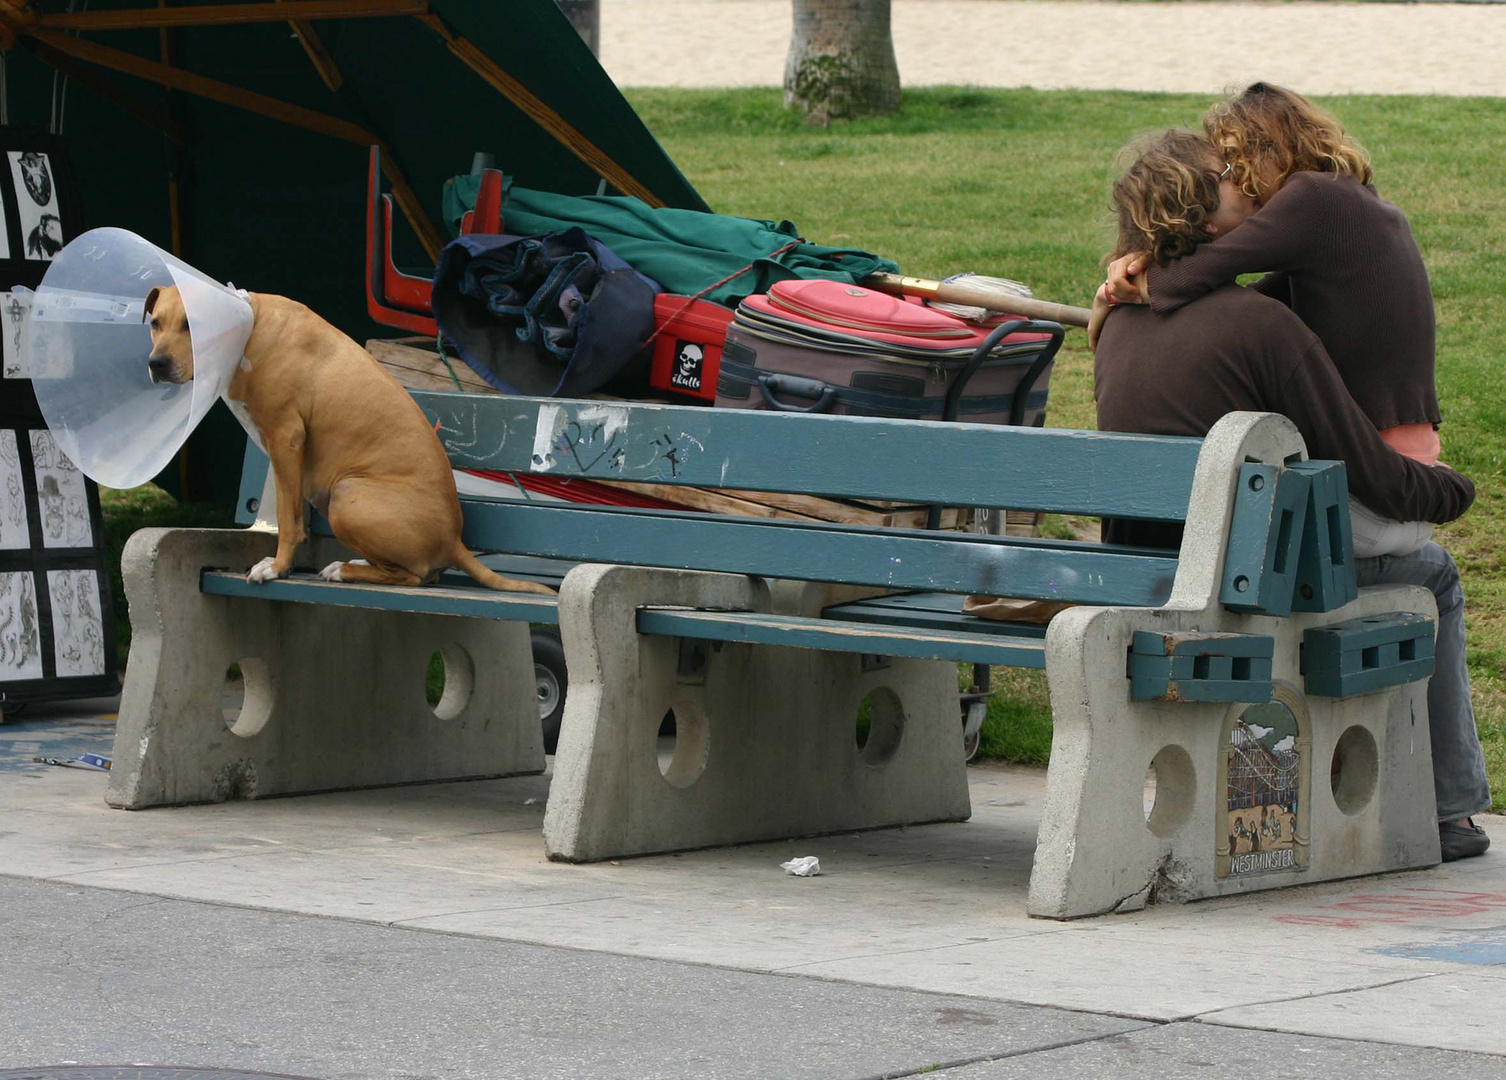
[
  {"x": 771, "y": 504},
  {"x": 415, "y": 362}
]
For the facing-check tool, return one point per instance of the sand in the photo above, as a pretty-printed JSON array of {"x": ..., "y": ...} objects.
[{"x": 1192, "y": 46}]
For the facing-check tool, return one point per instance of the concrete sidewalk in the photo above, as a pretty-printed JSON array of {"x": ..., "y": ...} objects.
[{"x": 420, "y": 931}]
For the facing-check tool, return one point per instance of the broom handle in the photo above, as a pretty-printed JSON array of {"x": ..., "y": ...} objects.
[{"x": 978, "y": 294}]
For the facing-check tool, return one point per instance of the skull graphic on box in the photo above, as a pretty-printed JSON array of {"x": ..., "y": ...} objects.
[{"x": 690, "y": 358}]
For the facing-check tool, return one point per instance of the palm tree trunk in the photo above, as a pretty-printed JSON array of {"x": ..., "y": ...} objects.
[
  {"x": 841, "y": 61},
  {"x": 585, "y": 16}
]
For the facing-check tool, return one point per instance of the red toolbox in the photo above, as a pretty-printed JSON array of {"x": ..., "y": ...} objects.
[{"x": 688, "y": 347}]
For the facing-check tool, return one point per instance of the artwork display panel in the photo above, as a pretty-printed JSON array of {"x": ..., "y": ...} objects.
[{"x": 57, "y": 620}]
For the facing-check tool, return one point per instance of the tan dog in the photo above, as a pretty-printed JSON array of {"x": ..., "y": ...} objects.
[{"x": 343, "y": 435}]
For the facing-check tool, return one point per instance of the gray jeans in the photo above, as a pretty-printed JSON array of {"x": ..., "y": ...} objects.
[{"x": 1459, "y": 781}]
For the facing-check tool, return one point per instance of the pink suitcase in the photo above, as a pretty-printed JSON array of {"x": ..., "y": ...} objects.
[{"x": 827, "y": 346}]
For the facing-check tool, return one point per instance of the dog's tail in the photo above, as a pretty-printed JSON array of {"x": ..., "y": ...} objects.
[{"x": 464, "y": 560}]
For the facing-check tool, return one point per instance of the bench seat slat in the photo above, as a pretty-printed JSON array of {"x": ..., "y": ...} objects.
[
  {"x": 473, "y": 600},
  {"x": 856, "y": 555},
  {"x": 831, "y": 635},
  {"x": 854, "y": 457},
  {"x": 549, "y": 571}
]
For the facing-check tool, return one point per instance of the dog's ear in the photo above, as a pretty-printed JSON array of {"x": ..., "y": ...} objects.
[{"x": 151, "y": 302}]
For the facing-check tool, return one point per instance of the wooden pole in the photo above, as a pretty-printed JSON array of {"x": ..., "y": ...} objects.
[
  {"x": 979, "y": 294},
  {"x": 16, "y": 17},
  {"x": 174, "y": 157},
  {"x": 318, "y": 55},
  {"x": 227, "y": 14},
  {"x": 514, "y": 91}
]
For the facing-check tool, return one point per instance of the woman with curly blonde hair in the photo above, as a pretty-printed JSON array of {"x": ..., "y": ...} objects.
[
  {"x": 1267, "y": 133},
  {"x": 1336, "y": 253}
]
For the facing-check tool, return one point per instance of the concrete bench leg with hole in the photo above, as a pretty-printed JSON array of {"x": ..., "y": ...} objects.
[
  {"x": 765, "y": 745},
  {"x": 1353, "y": 774},
  {"x": 334, "y": 697}
]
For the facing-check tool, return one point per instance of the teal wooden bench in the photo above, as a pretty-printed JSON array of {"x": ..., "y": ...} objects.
[{"x": 749, "y": 630}]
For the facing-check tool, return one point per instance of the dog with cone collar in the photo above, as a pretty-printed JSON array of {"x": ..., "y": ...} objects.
[{"x": 342, "y": 435}]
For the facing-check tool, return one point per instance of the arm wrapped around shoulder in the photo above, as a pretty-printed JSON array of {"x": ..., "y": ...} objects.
[
  {"x": 1461, "y": 491},
  {"x": 1314, "y": 397}
]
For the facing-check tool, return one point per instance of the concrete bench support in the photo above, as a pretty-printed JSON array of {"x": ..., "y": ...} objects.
[
  {"x": 765, "y": 744},
  {"x": 1355, "y": 788},
  {"x": 334, "y": 696}
]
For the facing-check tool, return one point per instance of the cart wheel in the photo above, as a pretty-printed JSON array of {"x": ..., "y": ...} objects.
[
  {"x": 970, "y": 744},
  {"x": 551, "y": 680}
]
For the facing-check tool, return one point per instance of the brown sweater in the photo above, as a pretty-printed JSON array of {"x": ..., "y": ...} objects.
[
  {"x": 1233, "y": 350},
  {"x": 1348, "y": 266}
]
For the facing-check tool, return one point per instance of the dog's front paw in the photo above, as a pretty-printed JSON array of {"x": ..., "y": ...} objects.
[
  {"x": 263, "y": 572},
  {"x": 332, "y": 571}
]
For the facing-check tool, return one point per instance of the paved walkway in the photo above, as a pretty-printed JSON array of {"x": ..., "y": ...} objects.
[
  {"x": 1318, "y": 48},
  {"x": 420, "y": 932}
]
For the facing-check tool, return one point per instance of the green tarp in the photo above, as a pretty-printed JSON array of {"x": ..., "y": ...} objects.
[{"x": 685, "y": 251}]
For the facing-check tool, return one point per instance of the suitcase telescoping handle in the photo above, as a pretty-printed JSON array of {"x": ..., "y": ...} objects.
[
  {"x": 1021, "y": 391},
  {"x": 1026, "y": 383},
  {"x": 769, "y": 385}
]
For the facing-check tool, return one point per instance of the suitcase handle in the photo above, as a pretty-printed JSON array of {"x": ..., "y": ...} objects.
[
  {"x": 768, "y": 385},
  {"x": 1021, "y": 391}
]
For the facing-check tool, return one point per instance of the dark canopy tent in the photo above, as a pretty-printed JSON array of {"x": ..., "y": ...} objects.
[{"x": 256, "y": 127}]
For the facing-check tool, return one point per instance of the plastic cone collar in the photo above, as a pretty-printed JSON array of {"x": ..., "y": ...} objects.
[{"x": 88, "y": 344}]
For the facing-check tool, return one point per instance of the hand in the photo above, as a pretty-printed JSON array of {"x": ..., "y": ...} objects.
[
  {"x": 1099, "y": 314},
  {"x": 1126, "y": 279}
]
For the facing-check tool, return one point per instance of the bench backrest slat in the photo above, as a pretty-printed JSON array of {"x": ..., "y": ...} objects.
[
  {"x": 860, "y": 555},
  {"x": 1055, "y": 470}
]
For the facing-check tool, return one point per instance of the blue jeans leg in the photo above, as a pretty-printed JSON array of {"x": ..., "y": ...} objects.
[{"x": 1459, "y": 780}]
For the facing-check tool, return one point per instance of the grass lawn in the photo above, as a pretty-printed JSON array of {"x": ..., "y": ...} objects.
[{"x": 1015, "y": 184}]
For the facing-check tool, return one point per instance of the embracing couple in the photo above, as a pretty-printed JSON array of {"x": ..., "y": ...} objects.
[{"x": 1337, "y": 335}]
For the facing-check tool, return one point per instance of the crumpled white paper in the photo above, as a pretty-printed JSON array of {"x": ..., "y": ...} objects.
[{"x": 804, "y": 866}]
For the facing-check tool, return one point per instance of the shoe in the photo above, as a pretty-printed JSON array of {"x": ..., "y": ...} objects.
[{"x": 1461, "y": 841}]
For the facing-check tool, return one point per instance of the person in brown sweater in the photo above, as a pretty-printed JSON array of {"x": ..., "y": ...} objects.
[
  {"x": 1178, "y": 372},
  {"x": 1339, "y": 255}
]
